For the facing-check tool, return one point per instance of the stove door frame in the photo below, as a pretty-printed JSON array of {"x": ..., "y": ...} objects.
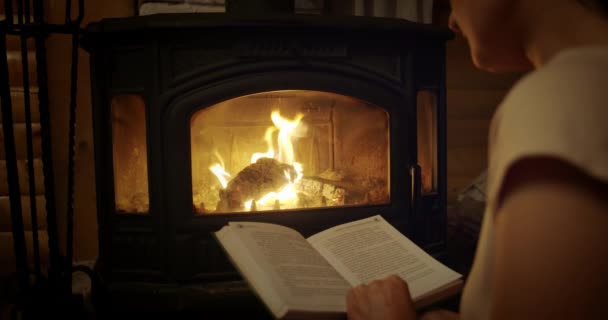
[{"x": 183, "y": 229}]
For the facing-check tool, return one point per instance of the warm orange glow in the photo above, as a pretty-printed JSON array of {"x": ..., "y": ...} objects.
[
  {"x": 286, "y": 130},
  {"x": 129, "y": 151},
  {"x": 287, "y": 197},
  {"x": 288, "y": 149},
  {"x": 219, "y": 171},
  {"x": 270, "y": 152}
]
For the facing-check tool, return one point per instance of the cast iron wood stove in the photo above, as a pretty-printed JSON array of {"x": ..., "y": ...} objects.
[{"x": 306, "y": 121}]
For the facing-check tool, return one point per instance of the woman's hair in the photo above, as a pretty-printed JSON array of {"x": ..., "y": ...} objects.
[{"x": 601, "y": 5}]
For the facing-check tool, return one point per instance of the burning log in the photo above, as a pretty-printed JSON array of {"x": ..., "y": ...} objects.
[
  {"x": 254, "y": 181},
  {"x": 334, "y": 189},
  {"x": 318, "y": 193}
]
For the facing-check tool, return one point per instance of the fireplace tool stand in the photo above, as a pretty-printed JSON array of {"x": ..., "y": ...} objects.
[{"x": 42, "y": 291}]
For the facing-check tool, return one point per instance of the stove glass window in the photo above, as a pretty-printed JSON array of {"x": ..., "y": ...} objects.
[
  {"x": 130, "y": 155},
  {"x": 286, "y": 150},
  {"x": 427, "y": 139}
]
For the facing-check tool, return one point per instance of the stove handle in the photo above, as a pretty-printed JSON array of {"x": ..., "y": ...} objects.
[{"x": 416, "y": 176}]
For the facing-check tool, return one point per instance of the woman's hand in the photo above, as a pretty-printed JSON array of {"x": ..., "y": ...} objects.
[{"x": 385, "y": 299}]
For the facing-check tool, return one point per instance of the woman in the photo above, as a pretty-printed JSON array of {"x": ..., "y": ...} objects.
[{"x": 543, "y": 249}]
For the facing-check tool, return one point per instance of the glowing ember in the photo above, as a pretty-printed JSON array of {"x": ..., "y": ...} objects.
[{"x": 287, "y": 196}]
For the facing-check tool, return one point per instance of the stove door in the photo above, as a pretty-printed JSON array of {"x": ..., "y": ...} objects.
[{"x": 324, "y": 143}]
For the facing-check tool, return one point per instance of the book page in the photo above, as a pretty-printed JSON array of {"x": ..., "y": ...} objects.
[
  {"x": 256, "y": 277},
  {"x": 371, "y": 248},
  {"x": 300, "y": 275}
]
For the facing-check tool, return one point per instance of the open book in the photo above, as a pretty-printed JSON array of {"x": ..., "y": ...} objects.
[{"x": 309, "y": 278}]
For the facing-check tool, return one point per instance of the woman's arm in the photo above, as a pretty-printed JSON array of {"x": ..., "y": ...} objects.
[{"x": 551, "y": 258}]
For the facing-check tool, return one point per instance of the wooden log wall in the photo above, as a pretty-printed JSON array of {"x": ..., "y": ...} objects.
[{"x": 472, "y": 97}]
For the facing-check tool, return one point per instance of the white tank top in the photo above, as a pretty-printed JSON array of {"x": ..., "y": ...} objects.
[{"x": 560, "y": 110}]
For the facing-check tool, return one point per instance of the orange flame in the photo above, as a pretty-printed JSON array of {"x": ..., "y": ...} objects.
[
  {"x": 287, "y": 196},
  {"x": 219, "y": 171}
]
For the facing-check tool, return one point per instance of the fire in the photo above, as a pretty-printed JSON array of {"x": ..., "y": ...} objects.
[
  {"x": 221, "y": 174},
  {"x": 270, "y": 152},
  {"x": 286, "y": 129},
  {"x": 287, "y": 196}
]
